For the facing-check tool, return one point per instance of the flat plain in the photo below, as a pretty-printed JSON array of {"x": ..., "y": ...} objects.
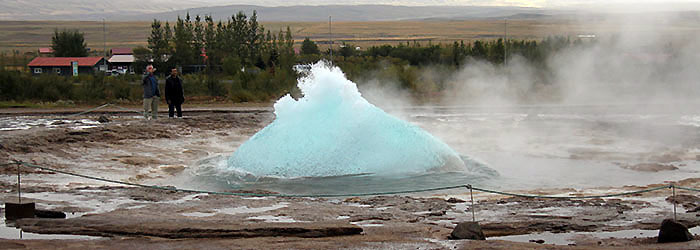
[{"x": 30, "y": 35}]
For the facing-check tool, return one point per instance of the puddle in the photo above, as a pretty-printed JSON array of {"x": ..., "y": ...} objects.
[
  {"x": 187, "y": 198},
  {"x": 12, "y": 233},
  {"x": 24, "y": 123},
  {"x": 248, "y": 210},
  {"x": 198, "y": 214},
  {"x": 357, "y": 205},
  {"x": 571, "y": 238},
  {"x": 271, "y": 218},
  {"x": 237, "y": 210},
  {"x": 367, "y": 224},
  {"x": 50, "y": 201}
]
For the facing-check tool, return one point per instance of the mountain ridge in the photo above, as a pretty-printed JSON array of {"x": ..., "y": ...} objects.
[{"x": 294, "y": 13}]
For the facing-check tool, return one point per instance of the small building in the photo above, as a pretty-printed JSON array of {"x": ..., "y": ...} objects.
[
  {"x": 123, "y": 64},
  {"x": 45, "y": 52},
  {"x": 62, "y": 65},
  {"x": 121, "y": 51},
  {"x": 121, "y": 61}
]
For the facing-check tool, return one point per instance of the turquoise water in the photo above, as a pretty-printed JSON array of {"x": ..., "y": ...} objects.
[
  {"x": 212, "y": 176},
  {"x": 334, "y": 131}
]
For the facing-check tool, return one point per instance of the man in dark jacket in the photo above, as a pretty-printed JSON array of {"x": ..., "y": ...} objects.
[
  {"x": 174, "y": 94},
  {"x": 151, "y": 93}
]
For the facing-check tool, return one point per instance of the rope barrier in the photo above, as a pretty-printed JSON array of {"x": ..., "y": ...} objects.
[
  {"x": 688, "y": 188},
  {"x": 571, "y": 197},
  {"x": 101, "y": 107},
  {"x": 90, "y": 110},
  {"x": 230, "y": 193},
  {"x": 344, "y": 195},
  {"x": 127, "y": 109},
  {"x": 7, "y": 164}
]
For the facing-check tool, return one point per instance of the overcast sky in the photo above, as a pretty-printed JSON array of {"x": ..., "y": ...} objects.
[
  {"x": 22, "y": 9},
  {"x": 524, "y": 3}
]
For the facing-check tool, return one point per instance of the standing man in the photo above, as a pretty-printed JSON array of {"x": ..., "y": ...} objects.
[
  {"x": 174, "y": 94},
  {"x": 151, "y": 94}
]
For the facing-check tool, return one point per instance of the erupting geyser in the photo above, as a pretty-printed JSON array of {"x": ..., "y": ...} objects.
[{"x": 333, "y": 131}]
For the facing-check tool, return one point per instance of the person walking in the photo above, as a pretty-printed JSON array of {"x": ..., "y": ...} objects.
[
  {"x": 174, "y": 94},
  {"x": 151, "y": 93}
]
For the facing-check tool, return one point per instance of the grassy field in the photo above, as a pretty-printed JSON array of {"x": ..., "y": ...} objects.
[{"x": 30, "y": 35}]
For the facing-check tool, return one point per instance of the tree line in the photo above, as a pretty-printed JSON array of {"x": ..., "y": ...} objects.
[
  {"x": 255, "y": 62},
  {"x": 238, "y": 59}
]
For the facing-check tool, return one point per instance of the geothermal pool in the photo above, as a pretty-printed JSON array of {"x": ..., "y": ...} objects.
[
  {"x": 507, "y": 148},
  {"x": 520, "y": 149}
]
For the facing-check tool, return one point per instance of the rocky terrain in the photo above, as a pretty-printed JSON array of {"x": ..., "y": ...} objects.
[{"x": 131, "y": 149}]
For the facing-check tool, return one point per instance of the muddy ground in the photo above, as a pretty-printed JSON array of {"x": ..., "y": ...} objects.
[{"x": 129, "y": 148}]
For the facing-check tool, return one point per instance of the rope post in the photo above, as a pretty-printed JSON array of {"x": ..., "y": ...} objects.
[
  {"x": 471, "y": 195},
  {"x": 673, "y": 192},
  {"x": 19, "y": 183}
]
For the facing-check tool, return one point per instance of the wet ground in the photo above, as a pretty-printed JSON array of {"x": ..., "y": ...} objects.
[{"x": 545, "y": 155}]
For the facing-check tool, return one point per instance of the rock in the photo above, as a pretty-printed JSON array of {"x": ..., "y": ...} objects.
[
  {"x": 103, "y": 119},
  {"x": 666, "y": 158},
  {"x": 436, "y": 213},
  {"x": 14, "y": 211},
  {"x": 650, "y": 167},
  {"x": 685, "y": 200},
  {"x": 78, "y": 133},
  {"x": 122, "y": 225},
  {"x": 381, "y": 216},
  {"x": 455, "y": 200},
  {"x": 49, "y": 214},
  {"x": 173, "y": 170},
  {"x": 468, "y": 231},
  {"x": 537, "y": 241},
  {"x": 58, "y": 123},
  {"x": 672, "y": 231}
]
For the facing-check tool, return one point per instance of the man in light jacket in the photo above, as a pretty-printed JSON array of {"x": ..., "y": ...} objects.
[{"x": 151, "y": 93}]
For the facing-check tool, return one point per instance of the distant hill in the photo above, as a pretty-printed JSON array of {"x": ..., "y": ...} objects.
[
  {"x": 350, "y": 12},
  {"x": 131, "y": 10},
  {"x": 84, "y": 10}
]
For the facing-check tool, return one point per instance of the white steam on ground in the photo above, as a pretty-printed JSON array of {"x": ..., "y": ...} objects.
[
  {"x": 626, "y": 104},
  {"x": 635, "y": 59}
]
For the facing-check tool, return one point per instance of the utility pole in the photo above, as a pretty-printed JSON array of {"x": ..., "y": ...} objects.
[
  {"x": 104, "y": 45},
  {"x": 330, "y": 38},
  {"x": 505, "y": 41}
]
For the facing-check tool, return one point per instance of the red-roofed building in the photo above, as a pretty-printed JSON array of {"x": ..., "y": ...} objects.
[
  {"x": 62, "y": 65},
  {"x": 45, "y": 52},
  {"x": 122, "y": 51}
]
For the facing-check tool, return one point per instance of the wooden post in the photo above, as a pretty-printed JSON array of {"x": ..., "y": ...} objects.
[
  {"x": 673, "y": 192},
  {"x": 471, "y": 195},
  {"x": 19, "y": 183}
]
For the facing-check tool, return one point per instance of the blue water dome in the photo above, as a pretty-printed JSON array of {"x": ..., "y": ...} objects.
[{"x": 333, "y": 131}]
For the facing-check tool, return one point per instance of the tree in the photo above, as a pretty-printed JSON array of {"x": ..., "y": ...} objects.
[
  {"x": 143, "y": 56},
  {"x": 309, "y": 47},
  {"x": 183, "y": 40},
  {"x": 347, "y": 50},
  {"x": 69, "y": 43},
  {"x": 210, "y": 43},
  {"x": 158, "y": 43},
  {"x": 478, "y": 51}
]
